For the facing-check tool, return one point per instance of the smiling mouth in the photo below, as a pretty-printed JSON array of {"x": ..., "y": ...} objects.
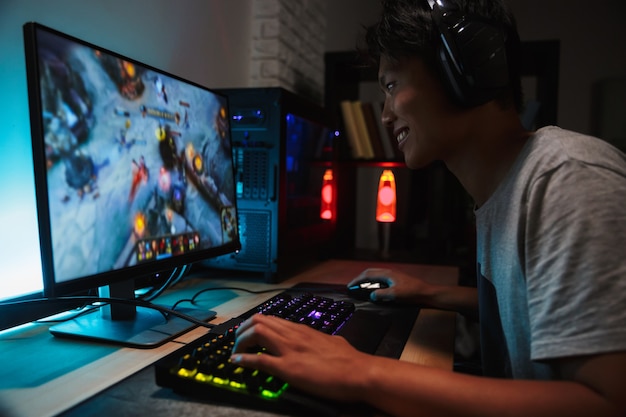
[{"x": 402, "y": 135}]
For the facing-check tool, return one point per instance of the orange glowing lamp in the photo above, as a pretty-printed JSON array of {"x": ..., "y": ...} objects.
[
  {"x": 386, "y": 205},
  {"x": 326, "y": 208}
]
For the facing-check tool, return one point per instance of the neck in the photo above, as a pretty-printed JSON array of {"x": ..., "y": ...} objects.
[{"x": 493, "y": 142}]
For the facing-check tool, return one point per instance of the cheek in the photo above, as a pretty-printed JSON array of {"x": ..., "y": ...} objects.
[
  {"x": 404, "y": 103},
  {"x": 413, "y": 108}
]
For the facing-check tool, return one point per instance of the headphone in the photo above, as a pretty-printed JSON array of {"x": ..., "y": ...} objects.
[{"x": 471, "y": 54}]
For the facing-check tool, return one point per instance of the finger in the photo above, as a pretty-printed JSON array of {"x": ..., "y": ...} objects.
[
  {"x": 273, "y": 322},
  {"x": 245, "y": 325},
  {"x": 255, "y": 332},
  {"x": 383, "y": 295},
  {"x": 261, "y": 361},
  {"x": 256, "y": 319},
  {"x": 266, "y": 331},
  {"x": 371, "y": 273},
  {"x": 356, "y": 279}
]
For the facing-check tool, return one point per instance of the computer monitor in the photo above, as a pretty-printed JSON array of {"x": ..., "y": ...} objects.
[{"x": 133, "y": 175}]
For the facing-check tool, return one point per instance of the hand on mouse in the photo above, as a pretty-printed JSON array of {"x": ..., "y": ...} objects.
[{"x": 401, "y": 287}]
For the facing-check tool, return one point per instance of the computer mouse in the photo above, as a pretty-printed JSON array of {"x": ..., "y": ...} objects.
[{"x": 364, "y": 288}]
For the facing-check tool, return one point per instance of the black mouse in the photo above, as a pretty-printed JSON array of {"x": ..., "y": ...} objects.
[{"x": 364, "y": 288}]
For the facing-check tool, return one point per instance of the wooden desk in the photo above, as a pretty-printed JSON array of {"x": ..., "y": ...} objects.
[{"x": 46, "y": 376}]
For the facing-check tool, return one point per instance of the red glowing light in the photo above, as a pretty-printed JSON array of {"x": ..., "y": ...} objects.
[
  {"x": 327, "y": 209},
  {"x": 386, "y": 201}
]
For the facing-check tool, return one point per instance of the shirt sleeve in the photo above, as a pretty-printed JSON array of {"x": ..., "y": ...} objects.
[{"x": 575, "y": 260}]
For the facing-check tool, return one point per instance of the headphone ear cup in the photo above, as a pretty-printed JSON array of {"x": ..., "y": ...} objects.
[
  {"x": 484, "y": 63},
  {"x": 472, "y": 56}
]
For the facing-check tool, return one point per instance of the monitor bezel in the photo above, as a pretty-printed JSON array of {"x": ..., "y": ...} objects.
[{"x": 52, "y": 288}]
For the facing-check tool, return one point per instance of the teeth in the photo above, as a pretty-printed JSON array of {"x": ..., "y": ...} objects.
[{"x": 402, "y": 135}]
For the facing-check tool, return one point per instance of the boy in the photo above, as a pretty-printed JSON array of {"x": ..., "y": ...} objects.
[{"x": 551, "y": 235}]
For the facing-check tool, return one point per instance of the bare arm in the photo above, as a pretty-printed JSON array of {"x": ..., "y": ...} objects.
[
  {"x": 407, "y": 288},
  {"x": 328, "y": 366},
  {"x": 412, "y": 390}
]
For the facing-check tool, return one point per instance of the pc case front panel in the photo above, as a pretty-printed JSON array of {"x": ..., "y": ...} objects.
[
  {"x": 258, "y": 129},
  {"x": 256, "y": 133}
]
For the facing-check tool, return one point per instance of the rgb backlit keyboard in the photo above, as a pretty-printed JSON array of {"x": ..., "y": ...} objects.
[{"x": 203, "y": 368}]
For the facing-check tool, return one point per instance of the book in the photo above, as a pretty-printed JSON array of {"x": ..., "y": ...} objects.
[
  {"x": 374, "y": 133},
  {"x": 350, "y": 128},
  {"x": 362, "y": 133}
]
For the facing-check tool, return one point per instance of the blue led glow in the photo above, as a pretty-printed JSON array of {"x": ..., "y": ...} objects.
[{"x": 20, "y": 269}]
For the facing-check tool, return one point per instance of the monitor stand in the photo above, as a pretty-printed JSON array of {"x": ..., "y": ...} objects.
[{"x": 128, "y": 325}]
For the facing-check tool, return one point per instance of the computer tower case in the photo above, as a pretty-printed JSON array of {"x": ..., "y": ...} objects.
[{"x": 282, "y": 146}]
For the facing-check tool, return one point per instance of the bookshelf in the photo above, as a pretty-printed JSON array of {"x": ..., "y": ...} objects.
[{"x": 435, "y": 221}]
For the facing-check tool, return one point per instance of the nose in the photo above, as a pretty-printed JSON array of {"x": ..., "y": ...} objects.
[{"x": 387, "y": 115}]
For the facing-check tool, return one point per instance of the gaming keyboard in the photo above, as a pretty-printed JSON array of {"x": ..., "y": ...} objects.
[{"x": 203, "y": 368}]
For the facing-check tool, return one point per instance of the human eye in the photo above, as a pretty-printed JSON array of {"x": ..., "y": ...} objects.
[
  {"x": 388, "y": 86},
  {"x": 387, "y": 82}
]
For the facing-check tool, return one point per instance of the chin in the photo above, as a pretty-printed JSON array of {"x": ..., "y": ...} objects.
[
  {"x": 415, "y": 163},
  {"x": 410, "y": 165}
]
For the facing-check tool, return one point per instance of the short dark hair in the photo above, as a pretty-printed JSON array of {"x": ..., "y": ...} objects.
[{"x": 406, "y": 29}]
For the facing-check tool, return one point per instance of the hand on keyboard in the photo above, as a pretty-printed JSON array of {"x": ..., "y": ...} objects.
[
  {"x": 283, "y": 344},
  {"x": 311, "y": 360}
]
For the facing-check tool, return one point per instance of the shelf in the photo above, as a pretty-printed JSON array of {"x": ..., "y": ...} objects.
[{"x": 371, "y": 163}]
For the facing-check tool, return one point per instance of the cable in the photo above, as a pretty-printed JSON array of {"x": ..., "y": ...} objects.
[
  {"x": 89, "y": 300},
  {"x": 192, "y": 300},
  {"x": 80, "y": 311},
  {"x": 175, "y": 276}
]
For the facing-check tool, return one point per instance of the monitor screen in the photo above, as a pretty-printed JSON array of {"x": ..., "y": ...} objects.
[{"x": 133, "y": 166}]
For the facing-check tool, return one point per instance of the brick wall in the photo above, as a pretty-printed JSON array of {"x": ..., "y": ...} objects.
[{"x": 288, "y": 40}]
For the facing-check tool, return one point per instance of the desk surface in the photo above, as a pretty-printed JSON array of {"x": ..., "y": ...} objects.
[{"x": 41, "y": 375}]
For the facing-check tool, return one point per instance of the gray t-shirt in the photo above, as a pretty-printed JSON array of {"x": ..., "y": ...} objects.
[{"x": 551, "y": 254}]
